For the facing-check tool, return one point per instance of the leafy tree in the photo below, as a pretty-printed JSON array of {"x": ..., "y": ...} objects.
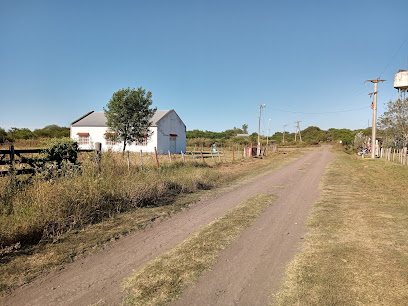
[
  {"x": 52, "y": 131},
  {"x": 254, "y": 137},
  {"x": 16, "y": 133},
  {"x": 241, "y": 140},
  {"x": 345, "y": 135},
  {"x": 360, "y": 140},
  {"x": 3, "y": 135},
  {"x": 128, "y": 115},
  {"x": 394, "y": 122},
  {"x": 245, "y": 128}
]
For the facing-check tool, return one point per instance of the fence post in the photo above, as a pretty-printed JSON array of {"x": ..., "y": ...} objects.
[
  {"x": 233, "y": 153},
  {"x": 128, "y": 160},
  {"x": 170, "y": 157},
  {"x": 98, "y": 156},
  {"x": 141, "y": 160},
  {"x": 182, "y": 156},
  {"x": 202, "y": 156},
  {"x": 11, "y": 148},
  {"x": 212, "y": 156},
  {"x": 157, "y": 159}
]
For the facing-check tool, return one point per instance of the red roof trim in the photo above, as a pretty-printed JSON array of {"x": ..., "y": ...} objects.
[
  {"x": 83, "y": 134},
  {"x": 109, "y": 134},
  {"x": 173, "y": 135}
]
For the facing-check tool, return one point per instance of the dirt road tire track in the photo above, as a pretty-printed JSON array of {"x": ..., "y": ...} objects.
[
  {"x": 98, "y": 276},
  {"x": 249, "y": 271}
]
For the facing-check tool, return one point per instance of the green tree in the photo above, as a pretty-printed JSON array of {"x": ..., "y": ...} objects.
[
  {"x": 345, "y": 135},
  {"x": 394, "y": 123},
  {"x": 17, "y": 133},
  {"x": 128, "y": 115},
  {"x": 245, "y": 128},
  {"x": 52, "y": 131},
  {"x": 3, "y": 135}
]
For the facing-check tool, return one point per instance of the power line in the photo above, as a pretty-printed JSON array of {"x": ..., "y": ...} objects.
[
  {"x": 320, "y": 113},
  {"x": 392, "y": 57}
]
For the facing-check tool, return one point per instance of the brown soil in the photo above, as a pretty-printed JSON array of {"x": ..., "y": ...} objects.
[{"x": 245, "y": 273}]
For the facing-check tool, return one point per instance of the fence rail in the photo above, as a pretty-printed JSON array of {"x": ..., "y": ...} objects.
[{"x": 15, "y": 157}]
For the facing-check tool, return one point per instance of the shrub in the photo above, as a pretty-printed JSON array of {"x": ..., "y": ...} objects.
[{"x": 64, "y": 149}]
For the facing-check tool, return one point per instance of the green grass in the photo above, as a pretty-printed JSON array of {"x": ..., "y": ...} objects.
[
  {"x": 164, "y": 278},
  {"x": 356, "y": 251}
]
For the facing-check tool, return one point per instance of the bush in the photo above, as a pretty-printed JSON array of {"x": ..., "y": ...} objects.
[{"x": 60, "y": 150}]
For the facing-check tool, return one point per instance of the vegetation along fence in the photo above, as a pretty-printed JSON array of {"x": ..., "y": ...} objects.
[{"x": 18, "y": 163}]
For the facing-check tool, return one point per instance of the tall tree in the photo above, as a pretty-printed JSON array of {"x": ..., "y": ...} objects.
[
  {"x": 3, "y": 135},
  {"x": 245, "y": 128},
  {"x": 128, "y": 115},
  {"x": 394, "y": 123}
]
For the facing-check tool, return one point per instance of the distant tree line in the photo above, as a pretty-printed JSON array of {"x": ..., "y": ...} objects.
[
  {"x": 312, "y": 135},
  {"x": 50, "y": 131}
]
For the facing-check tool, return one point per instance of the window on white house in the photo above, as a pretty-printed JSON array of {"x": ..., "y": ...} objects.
[
  {"x": 109, "y": 140},
  {"x": 141, "y": 142},
  {"x": 83, "y": 138}
]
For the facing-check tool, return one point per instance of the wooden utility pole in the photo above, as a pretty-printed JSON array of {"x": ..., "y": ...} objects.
[
  {"x": 374, "y": 127},
  {"x": 298, "y": 131},
  {"x": 258, "y": 151}
]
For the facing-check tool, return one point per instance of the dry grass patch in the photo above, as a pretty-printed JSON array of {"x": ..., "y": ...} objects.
[
  {"x": 164, "y": 278},
  {"x": 357, "y": 248},
  {"x": 36, "y": 229}
]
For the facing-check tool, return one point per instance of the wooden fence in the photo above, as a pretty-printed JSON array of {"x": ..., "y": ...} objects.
[
  {"x": 18, "y": 162},
  {"x": 395, "y": 155}
]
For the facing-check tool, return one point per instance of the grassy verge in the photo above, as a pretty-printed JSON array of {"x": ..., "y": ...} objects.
[
  {"x": 54, "y": 214},
  {"x": 357, "y": 247},
  {"x": 163, "y": 279}
]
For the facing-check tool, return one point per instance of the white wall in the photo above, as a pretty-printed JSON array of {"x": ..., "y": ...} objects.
[
  {"x": 171, "y": 124},
  {"x": 97, "y": 134}
]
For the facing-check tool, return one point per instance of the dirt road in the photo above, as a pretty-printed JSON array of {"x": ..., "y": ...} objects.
[{"x": 245, "y": 272}]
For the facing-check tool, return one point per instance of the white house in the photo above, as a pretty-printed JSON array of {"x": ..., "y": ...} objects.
[{"x": 168, "y": 133}]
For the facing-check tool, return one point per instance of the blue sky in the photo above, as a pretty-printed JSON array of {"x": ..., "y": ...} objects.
[{"x": 214, "y": 62}]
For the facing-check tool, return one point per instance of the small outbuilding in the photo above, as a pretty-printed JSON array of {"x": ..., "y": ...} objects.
[{"x": 168, "y": 133}]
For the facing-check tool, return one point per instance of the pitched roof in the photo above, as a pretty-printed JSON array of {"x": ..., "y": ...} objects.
[{"x": 96, "y": 119}]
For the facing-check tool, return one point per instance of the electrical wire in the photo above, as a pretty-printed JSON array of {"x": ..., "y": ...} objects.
[
  {"x": 320, "y": 113},
  {"x": 392, "y": 57}
]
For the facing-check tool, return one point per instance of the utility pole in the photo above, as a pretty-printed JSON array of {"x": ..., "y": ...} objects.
[
  {"x": 283, "y": 135},
  {"x": 298, "y": 130},
  {"x": 258, "y": 151},
  {"x": 267, "y": 132},
  {"x": 374, "y": 127}
]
